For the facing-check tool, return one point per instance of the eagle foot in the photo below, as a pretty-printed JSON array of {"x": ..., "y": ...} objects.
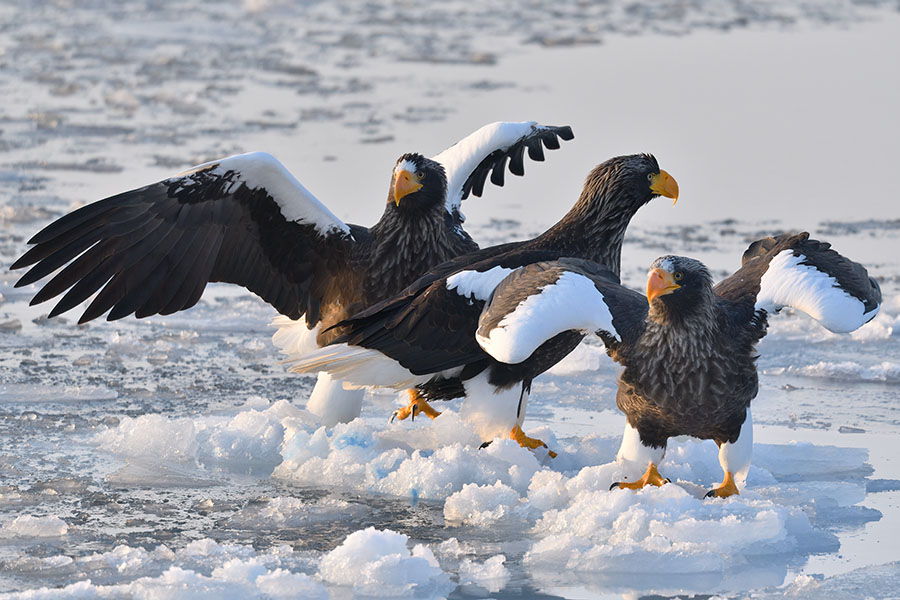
[
  {"x": 728, "y": 488},
  {"x": 517, "y": 434},
  {"x": 651, "y": 477},
  {"x": 417, "y": 405}
]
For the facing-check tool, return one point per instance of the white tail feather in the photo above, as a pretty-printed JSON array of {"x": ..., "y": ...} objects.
[{"x": 356, "y": 366}]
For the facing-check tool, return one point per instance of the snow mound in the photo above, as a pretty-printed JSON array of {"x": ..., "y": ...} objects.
[
  {"x": 250, "y": 440},
  {"x": 387, "y": 460},
  {"x": 491, "y": 575},
  {"x": 39, "y": 527},
  {"x": 151, "y": 435},
  {"x": 663, "y": 530},
  {"x": 378, "y": 563},
  {"x": 583, "y": 526},
  {"x": 562, "y": 509},
  {"x": 482, "y": 505},
  {"x": 876, "y": 582},
  {"x": 203, "y": 569}
]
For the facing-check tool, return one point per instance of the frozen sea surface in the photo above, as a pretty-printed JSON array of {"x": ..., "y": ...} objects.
[{"x": 172, "y": 457}]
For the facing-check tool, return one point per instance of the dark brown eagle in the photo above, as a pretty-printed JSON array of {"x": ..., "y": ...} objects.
[
  {"x": 246, "y": 220},
  {"x": 425, "y": 336},
  {"x": 688, "y": 348}
]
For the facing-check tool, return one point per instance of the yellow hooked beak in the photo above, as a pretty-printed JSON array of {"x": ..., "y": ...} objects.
[
  {"x": 660, "y": 283},
  {"x": 665, "y": 185},
  {"x": 404, "y": 184}
]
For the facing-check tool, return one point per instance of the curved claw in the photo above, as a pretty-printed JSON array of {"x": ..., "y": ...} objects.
[
  {"x": 528, "y": 442},
  {"x": 728, "y": 488},
  {"x": 651, "y": 477},
  {"x": 417, "y": 406}
]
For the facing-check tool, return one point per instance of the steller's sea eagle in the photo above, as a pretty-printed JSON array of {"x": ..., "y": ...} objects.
[
  {"x": 688, "y": 348},
  {"x": 425, "y": 337},
  {"x": 246, "y": 220}
]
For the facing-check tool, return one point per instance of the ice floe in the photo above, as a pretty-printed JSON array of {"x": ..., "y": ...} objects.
[
  {"x": 27, "y": 526},
  {"x": 379, "y": 563},
  {"x": 562, "y": 508}
]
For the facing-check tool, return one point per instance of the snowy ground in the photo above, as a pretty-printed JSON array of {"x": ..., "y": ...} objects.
[{"x": 171, "y": 456}]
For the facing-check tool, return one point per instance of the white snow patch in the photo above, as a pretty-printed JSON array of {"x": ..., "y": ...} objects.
[
  {"x": 38, "y": 527},
  {"x": 359, "y": 456},
  {"x": 491, "y": 575},
  {"x": 482, "y": 505},
  {"x": 151, "y": 435},
  {"x": 378, "y": 563},
  {"x": 251, "y": 439}
]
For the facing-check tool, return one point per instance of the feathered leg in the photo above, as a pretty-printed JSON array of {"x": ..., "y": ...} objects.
[
  {"x": 633, "y": 457},
  {"x": 735, "y": 461},
  {"x": 332, "y": 403}
]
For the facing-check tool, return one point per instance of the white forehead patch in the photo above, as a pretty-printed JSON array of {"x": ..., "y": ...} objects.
[
  {"x": 665, "y": 263},
  {"x": 406, "y": 165}
]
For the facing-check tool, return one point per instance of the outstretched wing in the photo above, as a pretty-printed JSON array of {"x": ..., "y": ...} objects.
[
  {"x": 486, "y": 152},
  {"x": 793, "y": 270},
  {"x": 243, "y": 219},
  {"x": 542, "y": 300}
]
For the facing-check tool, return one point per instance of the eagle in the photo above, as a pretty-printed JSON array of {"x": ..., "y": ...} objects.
[
  {"x": 246, "y": 220},
  {"x": 424, "y": 338},
  {"x": 688, "y": 347}
]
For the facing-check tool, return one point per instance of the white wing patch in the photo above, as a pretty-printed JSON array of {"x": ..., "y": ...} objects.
[
  {"x": 460, "y": 159},
  {"x": 572, "y": 302},
  {"x": 479, "y": 284},
  {"x": 788, "y": 283},
  {"x": 262, "y": 170}
]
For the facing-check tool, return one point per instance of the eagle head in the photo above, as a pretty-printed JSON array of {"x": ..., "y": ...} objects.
[
  {"x": 678, "y": 287},
  {"x": 417, "y": 183}
]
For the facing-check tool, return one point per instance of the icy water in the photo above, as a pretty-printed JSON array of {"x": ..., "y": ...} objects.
[{"x": 170, "y": 457}]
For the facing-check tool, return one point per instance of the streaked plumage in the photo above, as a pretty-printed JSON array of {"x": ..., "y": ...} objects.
[{"x": 689, "y": 353}]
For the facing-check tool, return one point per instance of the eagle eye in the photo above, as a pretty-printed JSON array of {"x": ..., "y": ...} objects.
[
  {"x": 420, "y": 175},
  {"x": 679, "y": 276}
]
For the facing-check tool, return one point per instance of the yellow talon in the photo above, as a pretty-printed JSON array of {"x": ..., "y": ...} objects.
[
  {"x": 417, "y": 405},
  {"x": 517, "y": 434},
  {"x": 728, "y": 488},
  {"x": 651, "y": 477}
]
